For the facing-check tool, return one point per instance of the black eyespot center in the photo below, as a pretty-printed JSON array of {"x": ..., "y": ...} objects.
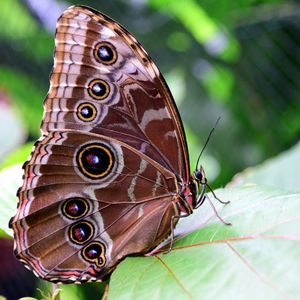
[
  {"x": 95, "y": 160},
  {"x": 81, "y": 232},
  {"x": 75, "y": 208},
  {"x": 86, "y": 112},
  {"x": 95, "y": 252},
  {"x": 105, "y": 53},
  {"x": 98, "y": 89}
]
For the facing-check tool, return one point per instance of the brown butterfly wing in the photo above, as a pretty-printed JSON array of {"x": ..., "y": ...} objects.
[
  {"x": 101, "y": 182},
  {"x": 139, "y": 108},
  {"x": 116, "y": 213}
]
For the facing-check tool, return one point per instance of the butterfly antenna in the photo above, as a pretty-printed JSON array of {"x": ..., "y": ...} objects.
[{"x": 206, "y": 142}]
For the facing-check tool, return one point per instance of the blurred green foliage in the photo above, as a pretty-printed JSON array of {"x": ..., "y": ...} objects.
[{"x": 236, "y": 59}]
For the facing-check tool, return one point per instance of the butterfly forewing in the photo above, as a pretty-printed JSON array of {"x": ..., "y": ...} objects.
[
  {"x": 138, "y": 109},
  {"x": 101, "y": 182}
]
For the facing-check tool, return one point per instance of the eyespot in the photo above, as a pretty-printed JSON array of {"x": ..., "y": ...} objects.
[
  {"x": 86, "y": 112},
  {"x": 81, "y": 232},
  {"x": 95, "y": 252},
  {"x": 75, "y": 208},
  {"x": 105, "y": 53},
  {"x": 95, "y": 160},
  {"x": 98, "y": 89}
]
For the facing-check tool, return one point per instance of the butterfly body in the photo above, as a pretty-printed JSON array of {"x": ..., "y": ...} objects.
[{"x": 110, "y": 175}]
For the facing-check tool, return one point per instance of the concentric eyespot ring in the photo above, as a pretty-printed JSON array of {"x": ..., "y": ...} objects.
[
  {"x": 98, "y": 89},
  {"x": 95, "y": 252},
  {"x": 75, "y": 208},
  {"x": 105, "y": 53},
  {"x": 95, "y": 160},
  {"x": 81, "y": 232},
  {"x": 86, "y": 112}
]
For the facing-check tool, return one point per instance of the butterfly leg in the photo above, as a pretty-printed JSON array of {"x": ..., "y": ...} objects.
[
  {"x": 215, "y": 196},
  {"x": 201, "y": 197},
  {"x": 173, "y": 222},
  {"x": 217, "y": 214}
]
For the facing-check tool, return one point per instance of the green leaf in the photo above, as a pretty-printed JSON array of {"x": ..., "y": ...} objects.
[
  {"x": 219, "y": 83},
  {"x": 192, "y": 16},
  {"x": 28, "y": 103},
  {"x": 92, "y": 290},
  {"x": 280, "y": 172},
  {"x": 50, "y": 295},
  {"x": 179, "y": 41},
  {"x": 258, "y": 257},
  {"x": 9, "y": 139},
  {"x": 248, "y": 260},
  {"x": 56, "y": 294},
  {"x": 18, "y": 156},
  {"x": 10, "y": 181},
  {"x": 202, "y": 26},
  {"x": 15, "y": 21}
]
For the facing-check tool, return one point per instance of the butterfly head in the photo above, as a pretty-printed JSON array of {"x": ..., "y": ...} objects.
[
  {"x": 198, "y": 180},
  {"x": 199, "y": 176}
]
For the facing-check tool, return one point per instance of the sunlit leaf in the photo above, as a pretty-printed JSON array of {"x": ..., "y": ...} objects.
[
  {"x": 15, "y": 21},
  {"x": 252, "y": 254},
  {"x": 204, "y": 28},
  {"x": 279, "y": 172},
  {"x": 197, "y": 17},
  {"x": 18, "y": 156},
  {"x": 179, "y": 41},
  {"x": 219, "y": 83},
  {"x": 247, "y": 260},
  {"x": 10, "y": 181},
  {"x": 11, "y": 132}
]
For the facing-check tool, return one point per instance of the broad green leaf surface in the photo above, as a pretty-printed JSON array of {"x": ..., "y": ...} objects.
[
  {"x": 258, "y": 257},
  {"x": 281, "y": 172}
]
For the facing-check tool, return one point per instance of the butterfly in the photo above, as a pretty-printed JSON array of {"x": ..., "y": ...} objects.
[{"x": 110, "y": 175}]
